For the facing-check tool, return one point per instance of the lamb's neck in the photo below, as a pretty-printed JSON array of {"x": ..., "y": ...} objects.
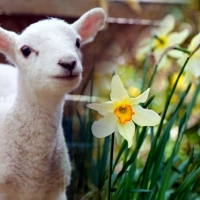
[
  {"x": 41, "y": 101},
  {"x": 44, "y": 112},
  {"x": 42, "y": 107},
  {"x": 38, "y": 121},
  {"x": 45, "y": 104}
]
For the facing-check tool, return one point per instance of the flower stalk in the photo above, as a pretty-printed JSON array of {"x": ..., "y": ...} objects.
[{"x": 110, "y": 167}]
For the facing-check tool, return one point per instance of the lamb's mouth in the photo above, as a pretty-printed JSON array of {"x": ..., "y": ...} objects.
[{"x": 67, "y": 77}]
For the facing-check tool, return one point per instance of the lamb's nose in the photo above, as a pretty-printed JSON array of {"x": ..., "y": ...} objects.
[{"x": 68, "y": 65}]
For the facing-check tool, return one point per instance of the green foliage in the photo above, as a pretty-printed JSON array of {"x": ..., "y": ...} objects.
[{"x": 162, "y": 175}]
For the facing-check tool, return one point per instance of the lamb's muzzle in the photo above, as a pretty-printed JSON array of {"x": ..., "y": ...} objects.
[
  {"x": 68, "y": 65},
  {"x": 34, "y": 160}
]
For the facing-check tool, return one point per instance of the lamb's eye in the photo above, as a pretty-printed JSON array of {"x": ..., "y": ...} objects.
[
  {"x": 26, "y": 51},
  {"x": 78, "y": 43}
]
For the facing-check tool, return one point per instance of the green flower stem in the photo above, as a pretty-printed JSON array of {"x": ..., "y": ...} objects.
[
  {"x": 146, "y": 63},
  {"x": 193, "y": 100},
  {"x": 157, "y": 64},
  {"x": 110, "y": 168},
  {"x": 153, "y": 75},
  {"x": 150, "y": 157},
  {"x": 183, "y": 50},
  {"x": 172, "y": 92},
  {"x": 165, "y": 53}
]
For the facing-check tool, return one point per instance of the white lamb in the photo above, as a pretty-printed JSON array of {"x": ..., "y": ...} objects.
[{"x": 34, "y": 161}]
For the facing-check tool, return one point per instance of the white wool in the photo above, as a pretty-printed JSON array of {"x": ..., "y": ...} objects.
[{"x": 34, "y": 160}]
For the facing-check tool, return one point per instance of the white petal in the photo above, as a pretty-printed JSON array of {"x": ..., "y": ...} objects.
[
  {"x": 140, "y": 99},
  {"x": 144, "y": 48},
  {"x": 175, "y": 54},
  {"x": 167, "y": 24},
  {"x": 118, "y": 92},
  {"x": 182, "y": 60},
  {"x": 142, "y": 52},
  {"x": 102, "y": 108},
  {"x": 104, "y": 126},
  {"x": 145, "y": 117},
  {"x": 178, "y": 37},
  {"x": 194, "y": 42},
  {"x": 127, "y": 131},
  {"x": 164, "y": 62},
  {"x": 193, "y": 66}
]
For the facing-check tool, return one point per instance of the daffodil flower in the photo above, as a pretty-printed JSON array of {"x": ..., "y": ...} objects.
[
  {"x": 163, "y": 38},
  {"x": 121, "y": 111},
  {"x": 193, "y": 66}
]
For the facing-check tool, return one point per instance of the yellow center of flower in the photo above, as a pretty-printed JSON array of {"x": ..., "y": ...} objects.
[
  {"x": 124, "y": 112},
  {"x": 161, "y": 42}
]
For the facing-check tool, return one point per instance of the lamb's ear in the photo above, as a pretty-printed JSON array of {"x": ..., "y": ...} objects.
[
  {"x": 7, "y": 43},
  {"x": 89, "y": 24}
]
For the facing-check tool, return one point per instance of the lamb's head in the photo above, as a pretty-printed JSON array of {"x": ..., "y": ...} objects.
[{"x": 47, "y": 53}]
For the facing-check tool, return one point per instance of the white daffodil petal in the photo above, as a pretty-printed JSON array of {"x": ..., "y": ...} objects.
[
  {"x": 140, "y": 99},
  {"x": 118, "y": 92},
  {"x": 102, "y": 108},
  {"x": 177, "y": 38},
  {"x": 194, "y": 42},
  {"x": 145, "y": 117},
  {"x": 167, "y": 24},
  {"x": 142, "y": 52},
  {"x": 164, "y": 62},
  {"x": 158, "y": 54},
  {"x": 104, "y": 126},
  {"x": 194, "y": 66},
  {"x": 182, "y": 60},
  {"x": 144, "y": 48},
  {"x": 127, "y": 131},
  {"x": 175, "y": 54}
]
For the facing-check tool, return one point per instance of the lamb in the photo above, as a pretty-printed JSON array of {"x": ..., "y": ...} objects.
[{"x": 34, "y": 160}]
